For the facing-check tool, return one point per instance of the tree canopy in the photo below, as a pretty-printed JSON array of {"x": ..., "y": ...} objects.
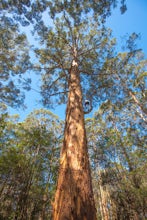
[
  {"x": 72, "y": 46},
  {"x": 15, "y": 61}
]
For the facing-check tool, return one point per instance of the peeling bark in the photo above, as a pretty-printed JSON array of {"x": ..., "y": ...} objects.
[{"x": 74, "y": 196}]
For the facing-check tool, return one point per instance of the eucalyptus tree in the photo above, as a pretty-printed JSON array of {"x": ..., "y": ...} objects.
[{"x": 74, "y": 53}]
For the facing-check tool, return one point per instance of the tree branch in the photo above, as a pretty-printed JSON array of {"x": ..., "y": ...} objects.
[
  {"x": 87, "y": 51},
  {"x": 54, "y": 82},
  {"x": 69, "y": 26},
  {"x": 58, "y": 93}
]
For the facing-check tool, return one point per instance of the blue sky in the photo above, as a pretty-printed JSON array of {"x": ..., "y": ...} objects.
[{"x": 134, "y": 20}]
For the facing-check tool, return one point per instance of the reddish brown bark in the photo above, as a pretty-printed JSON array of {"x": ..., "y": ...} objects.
[{"x": 74, "y": 196}]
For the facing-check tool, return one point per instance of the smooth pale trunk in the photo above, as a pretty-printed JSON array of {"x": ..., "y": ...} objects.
[{"x": 74, "y": 196}]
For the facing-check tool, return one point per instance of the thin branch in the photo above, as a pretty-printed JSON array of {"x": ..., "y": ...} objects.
[
  {"x": 87, "y": 51},
  {"x": 69, "y": 26},
  {"x": 93, "y": 74},
  {"x": 64, "y": 39},
  {"x": 84, "y": 72},
  {"x": 46, "y": 92},
  {"x": 132, "y": 95},
  {"x": 54, "y": 82},
  {"x": 136, "y": 101},
  {"x": 46, "y": 68},
  {"x": 58, "y": 93}
]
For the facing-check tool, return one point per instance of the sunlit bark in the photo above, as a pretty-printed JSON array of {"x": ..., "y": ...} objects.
[
  {"x": 103, "y": 200},
  {"x": 74, "y": 196}
]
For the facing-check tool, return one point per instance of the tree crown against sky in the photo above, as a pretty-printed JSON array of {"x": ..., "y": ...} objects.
[
  {"x": 30, "y": 11},
  {"x": 66, "y": 27},
  {"x": 101, "y": 68},
  {"x": 74, "y": 28}
]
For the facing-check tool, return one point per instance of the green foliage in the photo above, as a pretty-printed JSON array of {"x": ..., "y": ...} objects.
[
  {"x": 15, "y": 62},
  {"x": 93, "y": 46},
  {"x": 29, "y": 151},
  {"x": 118, "y": 151},
  {"x": 28, "y": 165},
  {"x": 31, "y": 11}
]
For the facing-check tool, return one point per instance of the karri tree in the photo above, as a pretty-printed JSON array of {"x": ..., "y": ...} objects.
[
  {"x": 74, "y": 57},
  {"x": 75, "y": 49}
]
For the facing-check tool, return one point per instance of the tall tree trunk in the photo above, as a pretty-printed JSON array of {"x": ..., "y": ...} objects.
[{"x": 74, "y": 196}]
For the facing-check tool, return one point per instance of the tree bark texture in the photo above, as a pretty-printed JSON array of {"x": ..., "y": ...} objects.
[{"x": 74, "y": 196}]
